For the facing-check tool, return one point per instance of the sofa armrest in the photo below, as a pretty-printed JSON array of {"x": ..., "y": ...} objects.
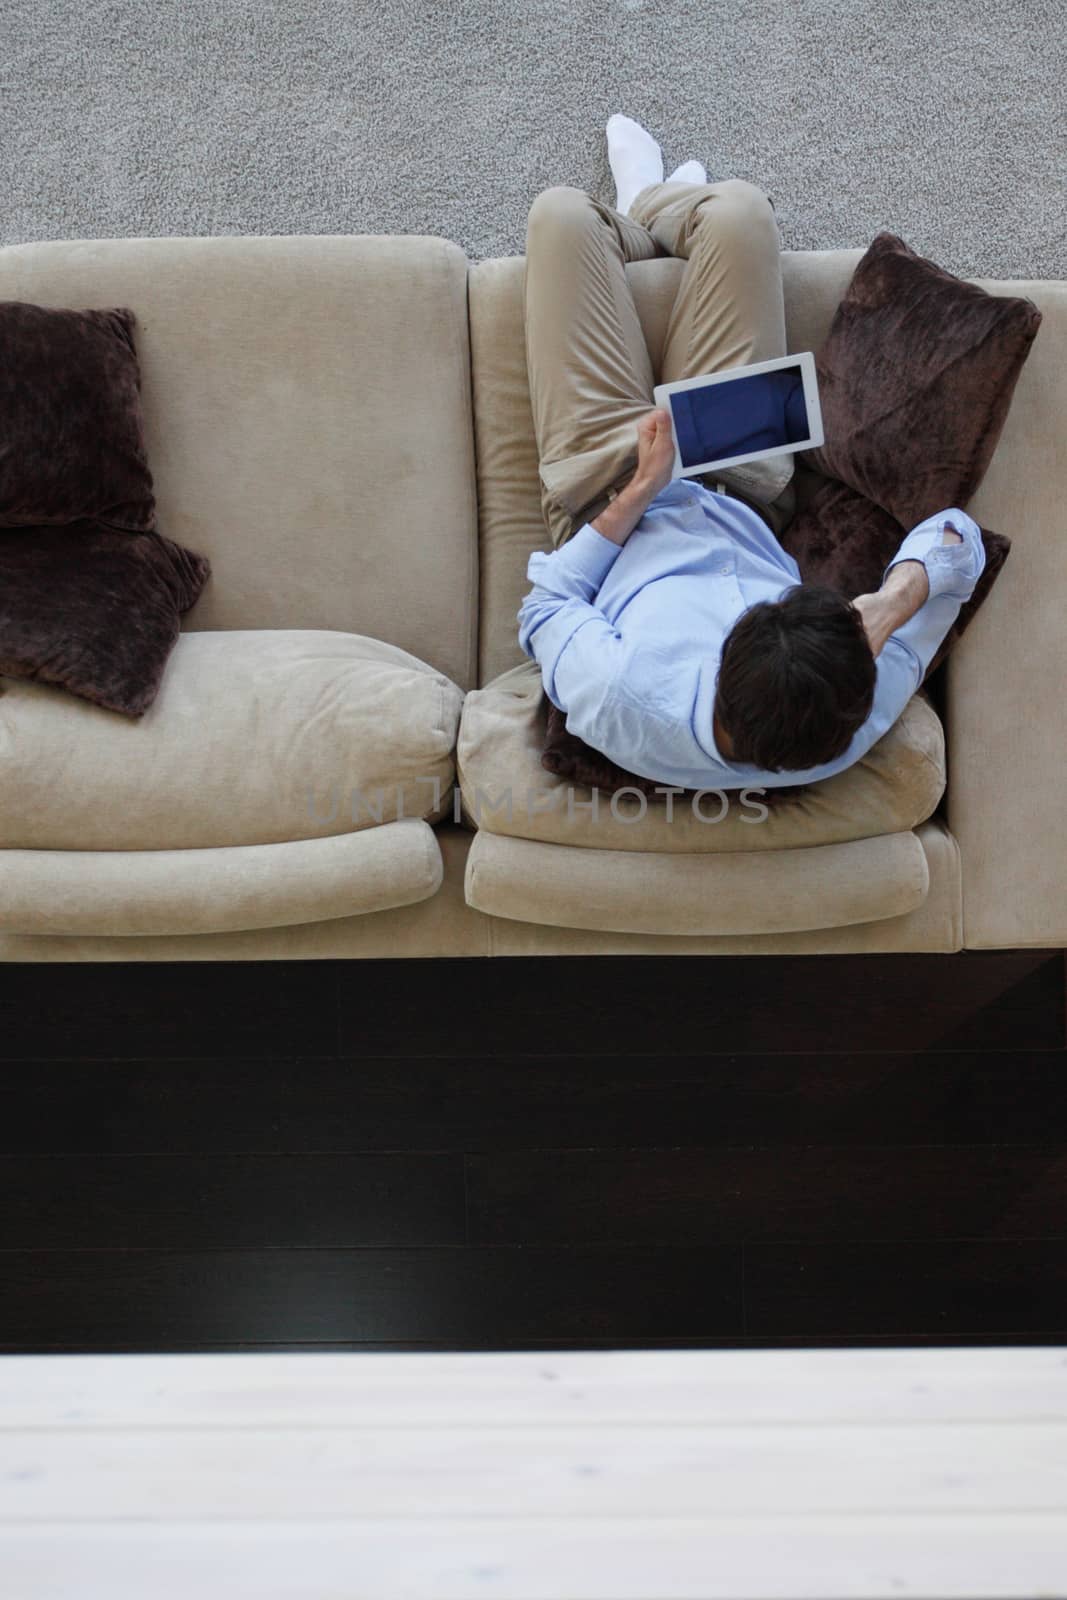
[{"x": 1006, "y": 678}]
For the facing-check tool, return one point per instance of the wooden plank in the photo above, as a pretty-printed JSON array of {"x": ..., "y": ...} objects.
[
  {"x": 166, "y": 1009},
  {"x": 626, "y": 1005},
  {"x": 938, "y": 1289},
  {"x": 460, "y": 1299},
  {"x": 203, "y": 1202},
  {"x": 593, "y": 1388},
  {"x": 763, "y": 1558},
  {"x": 256, "y": 1473},
  {"x": 293, "y": 1105},
  {"x": 819, "y": 1193}
]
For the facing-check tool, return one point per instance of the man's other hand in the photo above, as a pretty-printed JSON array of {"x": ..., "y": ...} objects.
[
  {"x": 903, "y": 592},
  {"x": 655, "y": 453}
]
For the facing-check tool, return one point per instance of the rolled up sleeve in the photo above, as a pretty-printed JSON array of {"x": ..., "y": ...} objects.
[
  {"x": 559, "y": 626},
  {"x": 951, "y": 568},
  {"x": 953, "y": 571}
]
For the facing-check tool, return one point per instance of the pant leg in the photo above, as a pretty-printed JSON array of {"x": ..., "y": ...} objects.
[
  {"x": 589, "y": 369},
  {"x": 730, "y": 308}
]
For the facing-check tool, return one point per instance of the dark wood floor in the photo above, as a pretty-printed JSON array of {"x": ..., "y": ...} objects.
[{"x": 507, "y": 1154}]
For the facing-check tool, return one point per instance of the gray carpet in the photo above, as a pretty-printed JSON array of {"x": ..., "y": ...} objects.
[{"x": 942, "y": 120}]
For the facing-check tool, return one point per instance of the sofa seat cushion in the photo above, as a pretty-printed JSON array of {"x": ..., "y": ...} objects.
[
  {"x": 728, "y": 893},
  {"x": 506, "y": 790},
  {"x": 256, "y": 736},
  {"x": 141, "y": 893}
]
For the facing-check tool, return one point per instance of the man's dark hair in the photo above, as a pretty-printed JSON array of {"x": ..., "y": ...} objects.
[{"x": 796, "y": 679}]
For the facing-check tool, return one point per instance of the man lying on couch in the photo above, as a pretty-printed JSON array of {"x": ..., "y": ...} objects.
[{"x": 673, "y": 628}]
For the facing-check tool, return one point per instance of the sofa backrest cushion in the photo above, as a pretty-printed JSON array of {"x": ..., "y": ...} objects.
[{"x": 307, "y": 422}]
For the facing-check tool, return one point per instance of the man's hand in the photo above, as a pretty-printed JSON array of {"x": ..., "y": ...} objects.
[
  {"x": 903, "y": 592},
  {"x": 655, "y": 468},
  {"x": 655, "y": 453}
]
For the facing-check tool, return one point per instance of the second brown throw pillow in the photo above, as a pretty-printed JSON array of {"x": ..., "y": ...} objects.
[
  {"x": 71, "y": 428},
  {"x": 93, "y": 611}
]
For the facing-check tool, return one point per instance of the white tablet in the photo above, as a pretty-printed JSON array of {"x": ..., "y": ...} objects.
[{"x": 743, "y": 413}]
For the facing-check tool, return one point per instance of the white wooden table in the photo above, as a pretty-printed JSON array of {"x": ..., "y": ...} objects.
[{"x": 558, "y": 1476}]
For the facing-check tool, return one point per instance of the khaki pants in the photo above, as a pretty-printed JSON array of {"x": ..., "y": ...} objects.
[{"x": 590, "y": 373}]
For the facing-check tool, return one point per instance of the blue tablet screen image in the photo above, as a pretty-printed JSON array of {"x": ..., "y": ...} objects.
[{"x": 761, "y": 412}]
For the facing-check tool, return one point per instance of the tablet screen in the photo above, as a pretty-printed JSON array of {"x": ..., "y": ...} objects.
[{"x": 759, "y": 412}]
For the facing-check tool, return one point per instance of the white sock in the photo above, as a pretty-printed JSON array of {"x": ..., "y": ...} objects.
[
  {"x": 634, "y": 157},
  {"x": 688, "y": 172}
]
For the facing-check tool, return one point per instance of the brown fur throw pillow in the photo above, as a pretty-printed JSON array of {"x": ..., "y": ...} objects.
[
  {"x": 90, "y": 593},
  {"x": 94, "y": 611},
  {"x": 916, "y": 377},
  {"x": 70, "y": 419}
]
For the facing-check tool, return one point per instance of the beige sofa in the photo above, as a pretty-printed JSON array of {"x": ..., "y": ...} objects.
[{"x": 343, "y": 758}]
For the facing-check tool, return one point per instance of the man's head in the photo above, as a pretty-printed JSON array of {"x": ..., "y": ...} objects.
[{"x": 796, "y": 680}]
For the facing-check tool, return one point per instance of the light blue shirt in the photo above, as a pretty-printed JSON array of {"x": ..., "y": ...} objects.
[{"x": 629, "y": 637}]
